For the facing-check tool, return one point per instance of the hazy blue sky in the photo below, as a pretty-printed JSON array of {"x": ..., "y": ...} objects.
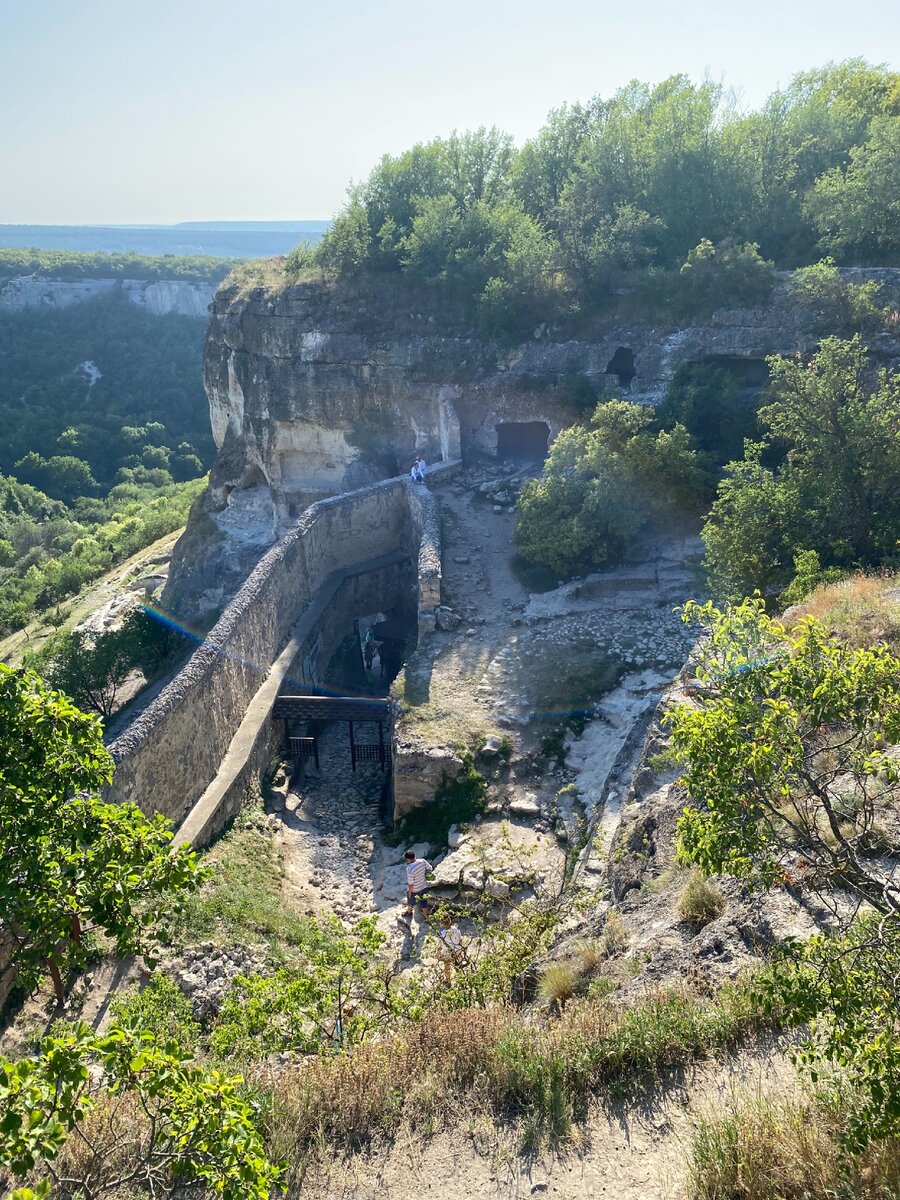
[{"x": 118, "y": 111}]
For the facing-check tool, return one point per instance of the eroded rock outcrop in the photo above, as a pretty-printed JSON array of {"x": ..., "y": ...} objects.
[{"x": 315, "y": 390}]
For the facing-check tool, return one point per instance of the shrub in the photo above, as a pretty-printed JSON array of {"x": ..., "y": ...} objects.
[
  {"x": 557, "y": 984},
  {"x": 808, "y": 574},
  {"x": 839, "y": 307},
  {"x": 726, "y": 272},
  {"x": 603, "y": 486},
  {"x": 456, "y": 802},
  {"x": 700, "y": 901},
  {"x": 162, "y": 1009}
]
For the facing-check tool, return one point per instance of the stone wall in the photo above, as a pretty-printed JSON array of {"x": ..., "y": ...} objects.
[
  {"x": 312, "y": 387},
  {"x": 350, "y": 554}
]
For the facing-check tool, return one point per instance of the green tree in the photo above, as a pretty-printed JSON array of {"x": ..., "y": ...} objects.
[
  {"x": 790, "y": 775},
  {"x": 168, "y": 1124},
  {"x": 786, "y": 754},
  {"x": 72, "y": 863},
  {"x": 602, "y": 486},
  {"x": 834, "y": 422},
  {"x": 345, "y": 246},
  {"x": 62, "y": 476},
  {"x": 90, "y": 668},
  {"x": 857, "y": 209}
]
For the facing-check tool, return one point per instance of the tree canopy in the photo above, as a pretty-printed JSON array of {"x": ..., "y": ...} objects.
[
  {"x": 670, "y": 184},
  {"x": 823, "y": 479},
  {"x": 72, "y": 863}
]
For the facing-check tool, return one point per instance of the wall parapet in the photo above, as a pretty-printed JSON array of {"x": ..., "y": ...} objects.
[{"x": 170, "y": 756}]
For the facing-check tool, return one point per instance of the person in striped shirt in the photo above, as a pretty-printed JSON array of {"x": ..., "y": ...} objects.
[{"x": 417, "y": 884}]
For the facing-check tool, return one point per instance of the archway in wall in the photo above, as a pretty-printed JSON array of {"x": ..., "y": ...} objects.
[
  {"x": 523, "y": 441},
  {"x": 622, "y": 366}
]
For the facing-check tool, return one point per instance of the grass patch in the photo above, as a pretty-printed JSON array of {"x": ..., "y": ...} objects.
[
  {"x": 456, "y": 802},
  {"x": 242, "y": 903},
  {"x": 663, "y": 762},
  {"x": 160, "y": 1008},
  {"x": 700, "y": 901},
  {"x": 857, "y": 610},
  {"x": 489, "y": 1061},
  {"x": 786, "y": 1149}
]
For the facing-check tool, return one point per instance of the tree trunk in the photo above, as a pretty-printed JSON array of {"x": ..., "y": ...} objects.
[{"x": 53, "y": 968}]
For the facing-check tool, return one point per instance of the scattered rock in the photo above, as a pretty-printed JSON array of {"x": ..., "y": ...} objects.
[
  {"x": 446, "y": 618},
  {"x": 455, "y": 837},
  {"x": 491, "y": 747},
  {"x": 526, "y": 806}
]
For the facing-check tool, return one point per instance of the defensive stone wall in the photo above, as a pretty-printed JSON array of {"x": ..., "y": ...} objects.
[{"x": 209, "y": 731}]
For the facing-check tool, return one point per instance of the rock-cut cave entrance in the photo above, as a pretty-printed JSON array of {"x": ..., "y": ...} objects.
[
  {"x": 622, "y": 366},
  {"x": 524, "y": 441}
]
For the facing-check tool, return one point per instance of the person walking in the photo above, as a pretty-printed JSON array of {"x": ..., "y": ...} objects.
[{"x": 417, "y": 870}]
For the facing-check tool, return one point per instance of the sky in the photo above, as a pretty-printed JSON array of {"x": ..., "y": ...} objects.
[{"x": 119, "y": 111}]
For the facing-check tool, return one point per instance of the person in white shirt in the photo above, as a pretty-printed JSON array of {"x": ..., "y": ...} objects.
[
  {"x": 417, "y": 471},
  {"x": 417, "y": 884},
  {"x": 450, "y": 945}
]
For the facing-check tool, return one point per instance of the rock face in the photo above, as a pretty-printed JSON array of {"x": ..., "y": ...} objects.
[
  {"x": 314, "y": 390},
  {"x": 160, "y": 298}
]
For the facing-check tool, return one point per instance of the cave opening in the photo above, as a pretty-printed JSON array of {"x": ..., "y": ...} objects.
[
  {"x": 523, "y": 441},
  {"x": 622, "y": 365}
]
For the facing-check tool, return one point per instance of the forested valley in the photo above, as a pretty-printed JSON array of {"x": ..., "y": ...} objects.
[{"x": 106, "y": 435}]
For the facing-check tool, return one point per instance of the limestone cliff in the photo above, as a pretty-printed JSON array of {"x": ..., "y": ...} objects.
[
  {"x": 161, "y": 297},
  {"x": 314, "y": 390}
]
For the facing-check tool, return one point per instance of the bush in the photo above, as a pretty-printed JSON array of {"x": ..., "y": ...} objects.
[
  {"x": 456, "y": 802},
  {"x": 700, "y": 901},
  {"x": 603, "y": 486},
  {"x": 161, "y": 1008},
  {"x": 706, "y": 400},
  {"x": 839, "y": 307},
  {"x": 727, "y": 273}
]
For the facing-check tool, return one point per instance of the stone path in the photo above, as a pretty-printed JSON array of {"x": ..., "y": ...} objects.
[{"x": 327, "y": 828}]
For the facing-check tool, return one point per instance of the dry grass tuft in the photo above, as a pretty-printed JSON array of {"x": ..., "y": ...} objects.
[
  {"x": 590, "y": 955},
  {"x": 558, "y": 983},
  {"x": 785, "y": 1150},
  {"x": 495, "y": 1062},
  {"x": 700, "y": 901},
  {"x": 614, "y": 937},
  {"x": 862, "y": 610}
]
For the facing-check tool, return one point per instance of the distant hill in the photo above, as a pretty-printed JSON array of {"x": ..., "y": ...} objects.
[{"x": 218, "y": 239}]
